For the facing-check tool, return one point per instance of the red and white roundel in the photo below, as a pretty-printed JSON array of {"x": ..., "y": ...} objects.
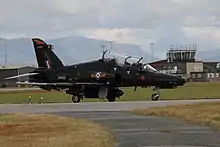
[{"x": 97, "y": 75}]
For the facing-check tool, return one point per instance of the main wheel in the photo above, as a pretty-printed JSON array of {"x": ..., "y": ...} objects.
[
  {"x": 155, "y": 97},
  {"x": 111, "y": 99},
  {"x": 76, "y": 98}
]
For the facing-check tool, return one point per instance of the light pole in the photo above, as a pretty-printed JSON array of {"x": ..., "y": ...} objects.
[
  {"x": 5, "y": 54},
  {"x": 152, "y": 49},
  {"x": 103, "y": 47},
  {"x": 111, "y": 44}
]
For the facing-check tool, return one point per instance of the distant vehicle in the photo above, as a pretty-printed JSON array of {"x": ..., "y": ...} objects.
[{"x": 100, "y": 78}]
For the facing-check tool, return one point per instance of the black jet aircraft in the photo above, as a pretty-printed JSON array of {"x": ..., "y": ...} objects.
[{"x": 100, "y": 78}]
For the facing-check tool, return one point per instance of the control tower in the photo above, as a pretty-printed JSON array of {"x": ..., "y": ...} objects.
[{"x": 181, "y": 53}]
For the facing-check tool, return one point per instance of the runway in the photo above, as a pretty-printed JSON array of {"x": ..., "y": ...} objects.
[
  {"x": 131, "y": 130},
  {"x": 141, "y": 131},
  {"x": 92, "y": 106}
]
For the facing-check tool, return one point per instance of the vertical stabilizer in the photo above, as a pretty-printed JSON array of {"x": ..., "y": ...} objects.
[{"x": 46, "y": 58}]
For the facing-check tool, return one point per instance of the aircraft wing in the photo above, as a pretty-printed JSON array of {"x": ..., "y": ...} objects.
[
  {"x": 22, "y": 75},
  {"x": 58, "y": 83},
  {"x": 51, "y": 84}
]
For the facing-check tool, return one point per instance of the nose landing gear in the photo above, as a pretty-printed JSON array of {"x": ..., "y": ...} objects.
[{"x": 155, "y": 96}]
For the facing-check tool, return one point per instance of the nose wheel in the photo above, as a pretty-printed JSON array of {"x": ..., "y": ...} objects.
[
  {"x": 77, "y": 98},
  {"x": 155, "y": 96}
]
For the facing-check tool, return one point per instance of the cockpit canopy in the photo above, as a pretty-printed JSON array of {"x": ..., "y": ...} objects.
[
  {"x": 149, "y": 68},
  {"x": 124, "y": 60}
]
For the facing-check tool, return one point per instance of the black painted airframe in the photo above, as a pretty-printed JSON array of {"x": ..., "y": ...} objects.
[{"x": 100, "y": 78}]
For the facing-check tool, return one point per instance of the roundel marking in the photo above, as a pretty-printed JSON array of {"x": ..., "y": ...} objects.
[{"x": 97, "y": 75}]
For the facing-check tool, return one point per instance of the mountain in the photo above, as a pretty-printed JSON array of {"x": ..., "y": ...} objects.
[
  {"x": 18, "y": 52},
  {"x": 209, "y": 55},
  {"x": 70, "y": 50},
  {"x": 75, "y": 49}
]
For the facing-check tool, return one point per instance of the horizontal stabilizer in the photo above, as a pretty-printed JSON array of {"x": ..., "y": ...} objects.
[{"x": 22, "y": 75}]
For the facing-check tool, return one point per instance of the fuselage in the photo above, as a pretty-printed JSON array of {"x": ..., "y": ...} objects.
[{"x": 118, "y": 75}]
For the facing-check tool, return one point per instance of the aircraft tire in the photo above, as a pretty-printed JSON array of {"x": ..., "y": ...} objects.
[
  {"x": 155, "y": 97},
  {"x": 76, "y": 98},
  {"x": 111, "y": 99}
]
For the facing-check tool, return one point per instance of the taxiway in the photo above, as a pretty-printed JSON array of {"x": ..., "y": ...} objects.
[{"x": 131, "y": 130}]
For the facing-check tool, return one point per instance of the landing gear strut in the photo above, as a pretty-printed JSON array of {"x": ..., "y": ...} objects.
[
  {"x": 77, "y": 98},
  {"x": 155, "y": 96},
  {"x": 114, "y": 93}
]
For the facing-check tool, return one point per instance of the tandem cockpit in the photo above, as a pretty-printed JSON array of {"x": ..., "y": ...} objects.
[{"x": 124, "y": 60}]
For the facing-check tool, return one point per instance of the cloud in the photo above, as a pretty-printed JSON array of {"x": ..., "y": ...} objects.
[
  {"x": 141, "y": 22},
  {"x": 93, "y": 14}
]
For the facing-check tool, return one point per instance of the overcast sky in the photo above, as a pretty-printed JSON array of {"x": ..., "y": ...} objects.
[{"x": 132, "y": 21}]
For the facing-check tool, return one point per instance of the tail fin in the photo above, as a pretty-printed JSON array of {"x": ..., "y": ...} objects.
[{"x": 46, "y": 58}]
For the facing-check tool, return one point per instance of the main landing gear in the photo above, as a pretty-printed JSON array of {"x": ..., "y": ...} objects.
[
  {"x": 155, "y": 96},
  {"x": 111, "y": 98},
  {"x": 77, "y": 98}
]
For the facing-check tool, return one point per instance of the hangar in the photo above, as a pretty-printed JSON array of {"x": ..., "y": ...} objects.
[{"x": 13, "y": 71}]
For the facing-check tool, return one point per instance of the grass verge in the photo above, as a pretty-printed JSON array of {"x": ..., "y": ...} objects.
[
  {"x": 203, "y": 113},
  {"x": 203, "y": 90},
  {"x": 52, "y": 131}
]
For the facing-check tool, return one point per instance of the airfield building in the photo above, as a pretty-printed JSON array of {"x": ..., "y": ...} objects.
[
  {"x": 13, "y": 71},
  {"x": 181, "y": 61}
]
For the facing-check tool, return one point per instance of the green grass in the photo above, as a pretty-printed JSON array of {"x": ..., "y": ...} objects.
[{"x": 188, "y": 91}]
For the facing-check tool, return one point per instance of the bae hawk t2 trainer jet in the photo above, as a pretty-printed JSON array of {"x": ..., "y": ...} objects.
[{"x": 100, "y": 78}]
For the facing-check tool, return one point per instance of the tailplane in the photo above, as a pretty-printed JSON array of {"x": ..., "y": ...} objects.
[{"x": 46, "y": 58}]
